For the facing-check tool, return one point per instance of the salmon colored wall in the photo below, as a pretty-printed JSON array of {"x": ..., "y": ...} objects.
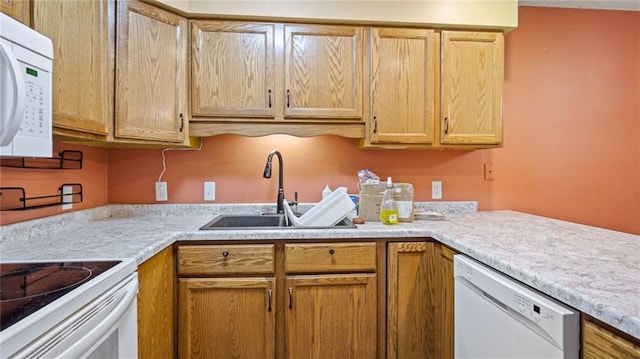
[
  {"x": 572, "y": 118},
  {"x": 38, "y": 182},
  {"x": 572, "y": 140}
]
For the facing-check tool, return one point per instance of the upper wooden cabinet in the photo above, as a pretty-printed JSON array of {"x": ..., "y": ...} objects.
[
  {"x": 405, "y": 87},
  {"x": 83, "y": 36},
  {"x": 262, "y": 78},
  {"x": 17, "y": 9},
  {"x": 323, "y": 71},
  {"x": 471, "y": 87},
  {"x": 136, "y": 95},
  {"x": 151, "y": 73},
  {"x": 233, "y": 69},
  {"x": 403, "y": 71}
]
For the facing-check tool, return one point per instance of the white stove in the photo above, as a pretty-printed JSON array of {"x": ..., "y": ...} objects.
[{"x": 70, "y": 309}]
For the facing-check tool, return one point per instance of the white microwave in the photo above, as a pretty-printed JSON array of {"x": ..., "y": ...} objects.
[{"x": 26, "y": 70}]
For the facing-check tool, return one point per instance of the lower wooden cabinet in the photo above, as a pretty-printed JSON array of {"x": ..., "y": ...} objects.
[
  {"x": 227, "y": 318},
  {"x": 293, "y": 300},
  {"x": 409, "y": 300},
  {"x": 156, "y": 306},
  {"x": 599, "y": 342},
  {"x": 331, "y": 316},
  {"x": 442, "y": 330}
]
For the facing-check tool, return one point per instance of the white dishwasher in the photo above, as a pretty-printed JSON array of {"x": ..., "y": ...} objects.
[{"x": 498, "y": 317}]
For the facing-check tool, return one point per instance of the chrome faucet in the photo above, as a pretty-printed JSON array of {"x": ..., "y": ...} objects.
[{"x": 267, "y": 174}]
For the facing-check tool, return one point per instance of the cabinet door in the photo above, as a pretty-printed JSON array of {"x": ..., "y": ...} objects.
[
  {"x": 17, "y": 9},
  {"x": 151, "y": 73},
  {"x": 410, "y": 304},
  {"x": 442, "y": 262},
  {"x": 471, "y": 85},
  {"x": 227, "y": 318},
  {"x": 156, "y": 306},
  {"x": 403, "y": 85},
  {"x": 83, "y": 41},
  {"x": 331, "y": 316},
  {"x": 232, "y": 69},
  {"x": 323, "y": 71}
]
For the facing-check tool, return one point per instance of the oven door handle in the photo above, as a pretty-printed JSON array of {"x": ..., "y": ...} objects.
[
  {"x": 86, "y": 329},
  {"x": 99, "y": 332}
]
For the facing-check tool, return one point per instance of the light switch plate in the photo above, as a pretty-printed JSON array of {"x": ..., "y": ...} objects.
[
  {"x": 209, "y": 191},
  {"x": 436, "y": 190},
  {"x": 67, "y": 197}
]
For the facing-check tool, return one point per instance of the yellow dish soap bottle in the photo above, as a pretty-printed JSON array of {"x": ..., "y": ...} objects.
[{"x": 388, "y": 206}]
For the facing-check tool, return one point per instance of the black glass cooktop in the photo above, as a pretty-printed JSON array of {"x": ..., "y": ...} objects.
[{"x": 27, "y": 287}]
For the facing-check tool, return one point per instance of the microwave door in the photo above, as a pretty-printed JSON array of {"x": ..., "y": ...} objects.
[{"x": 13, "y": 94}]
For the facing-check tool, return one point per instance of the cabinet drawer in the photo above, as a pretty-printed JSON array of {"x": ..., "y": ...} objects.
[
  {"x": 226, "y": 259},
  {"x": 330, "y": 257}
]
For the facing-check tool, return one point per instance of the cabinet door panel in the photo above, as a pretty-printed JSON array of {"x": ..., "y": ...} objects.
[
  {"x": 150, "y": 73},
  {"x": 323, "y": 71},
  {"x": 471, "y": 84},
  {"x": 403, "y": 85},
  {"x": 83, "y": 38},
  {"x": 331, "y": 316},
  {"x": 227, "y": 318},
  {"x": 232, "y": 69},
  {"x": 409, "y": 313}
]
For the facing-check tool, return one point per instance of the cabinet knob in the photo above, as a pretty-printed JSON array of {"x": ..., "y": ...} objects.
[
  {"x": 332, "y": 251},
  {"x": 225, "y": 253}
]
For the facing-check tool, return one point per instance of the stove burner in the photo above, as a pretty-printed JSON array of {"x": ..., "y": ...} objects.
[{"x": 25, "y": 288}]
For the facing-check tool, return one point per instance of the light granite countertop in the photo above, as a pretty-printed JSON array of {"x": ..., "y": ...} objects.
[{"x": 594, "y": 270}]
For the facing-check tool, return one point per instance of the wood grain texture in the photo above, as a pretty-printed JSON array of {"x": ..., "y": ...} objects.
[
  {"x": 227, "y": 318},
  {"x": 330, "y": 258},
  {"x": 410, "y": 312},
  {"x": 232, "y": 67},
  {"x": 443, "y": 330},
  {"x": 254, "y": 128},
  {"x": 83, "y": 65},
  {"x": 199, "y": 260},
  {"x": 323, "y": 71},
  {"x": 601, "y": 343},
  {"x": 156, "y": 306},
  {"x": 17, "y": 9},
  {"x": 402, "y": 85},
  {"x": 151, "y": 73},
  {"x": 331, "y": 316},
  {"x": 471, "y": 87}
]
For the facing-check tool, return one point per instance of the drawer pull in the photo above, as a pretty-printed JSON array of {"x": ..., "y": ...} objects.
[
  {"x": 225, "y": 253},
  {"x": 332, "y": 251},
  {"x": 290, "y": 297},
  {"x": 269, "y": 295}
]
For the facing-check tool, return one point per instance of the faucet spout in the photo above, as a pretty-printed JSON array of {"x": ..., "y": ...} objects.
[{"x": 267, "y": 174}]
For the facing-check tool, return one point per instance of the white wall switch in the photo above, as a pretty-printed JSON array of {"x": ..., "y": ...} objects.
[
  {"x": 161, "y": 191},
  {"x": 67, "y": 197},
  {"x": 209, "y": 191},
  {"x": 436, "y": 190}
]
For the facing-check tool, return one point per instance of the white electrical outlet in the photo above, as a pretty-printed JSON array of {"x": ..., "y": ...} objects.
[
  {"x": 67, "y": 197},
  {"x": 209, "y": 191},
  {"x": 161, "y": 191},
  {"x": 436, "y": 190}
]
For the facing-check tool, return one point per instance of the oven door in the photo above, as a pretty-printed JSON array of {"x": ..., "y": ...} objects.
[{"x": 104, "y": 328}]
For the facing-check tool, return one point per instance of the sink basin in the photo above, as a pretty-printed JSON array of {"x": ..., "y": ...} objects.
[{"x": 256, "y": 221}]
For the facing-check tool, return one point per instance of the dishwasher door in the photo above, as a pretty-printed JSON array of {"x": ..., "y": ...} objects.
[{"x": 498, "y": 317}]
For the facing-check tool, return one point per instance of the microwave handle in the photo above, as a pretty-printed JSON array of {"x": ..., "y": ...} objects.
[{"x": 12, "y": 115}]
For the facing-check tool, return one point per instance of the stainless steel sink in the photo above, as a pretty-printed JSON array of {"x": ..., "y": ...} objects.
[{"x": 256, "y": 221}]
